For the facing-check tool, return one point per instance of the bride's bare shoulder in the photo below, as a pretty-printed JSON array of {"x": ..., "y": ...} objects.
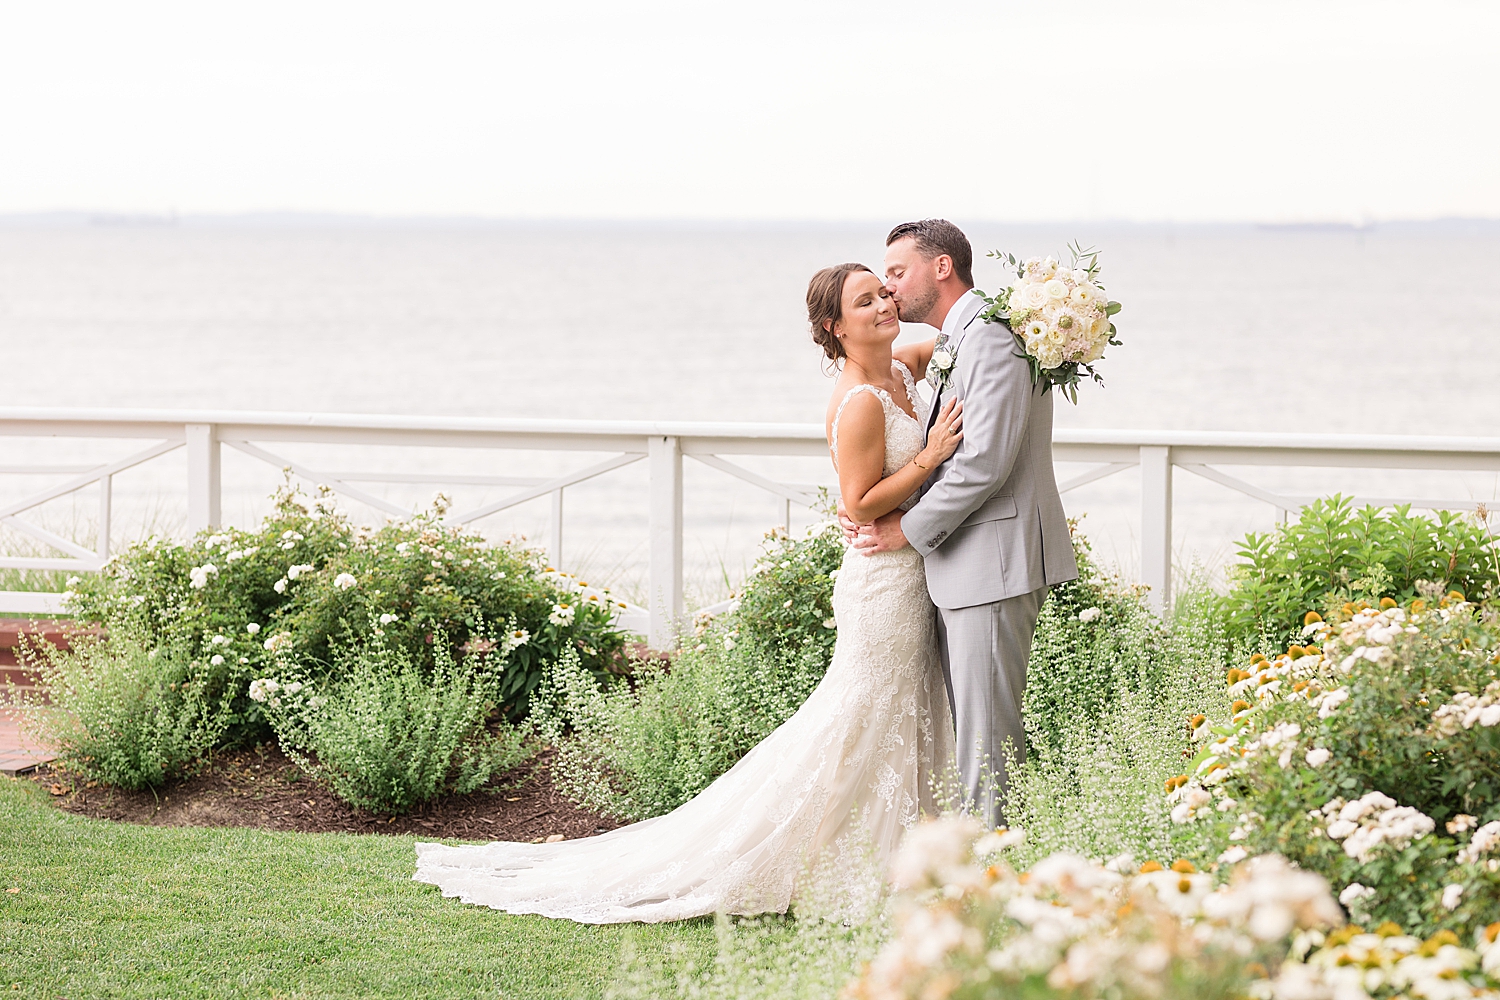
[{"x": 856, "y": 413}]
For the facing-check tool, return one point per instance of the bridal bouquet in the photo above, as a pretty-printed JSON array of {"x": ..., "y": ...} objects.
[{"x": 1060, "y": 316}]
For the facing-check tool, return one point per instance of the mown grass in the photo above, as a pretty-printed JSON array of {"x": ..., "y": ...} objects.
[{"x": 113, "y": 910}]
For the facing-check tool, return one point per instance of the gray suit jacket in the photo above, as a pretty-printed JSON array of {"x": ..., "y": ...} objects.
[{"x": 990, "y": 522}]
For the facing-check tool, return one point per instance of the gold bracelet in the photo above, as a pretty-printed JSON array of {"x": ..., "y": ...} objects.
[{"x": 919, "y": 465}]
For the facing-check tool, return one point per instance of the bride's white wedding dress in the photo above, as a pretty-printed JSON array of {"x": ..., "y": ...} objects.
[{"x": 851, "y": 770}]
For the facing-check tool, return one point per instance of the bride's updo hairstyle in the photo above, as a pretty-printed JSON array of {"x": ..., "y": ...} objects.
[{"x": 825, "y": 306}]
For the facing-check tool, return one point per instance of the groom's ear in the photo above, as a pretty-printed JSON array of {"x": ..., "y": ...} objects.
[{"x": 942, "y": 266}]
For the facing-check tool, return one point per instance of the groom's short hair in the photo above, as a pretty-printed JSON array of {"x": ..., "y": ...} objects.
[{"x": 935, "y": 237}]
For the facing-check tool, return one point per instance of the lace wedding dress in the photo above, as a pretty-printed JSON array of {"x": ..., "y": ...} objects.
[{"x": 851, "y": 770}]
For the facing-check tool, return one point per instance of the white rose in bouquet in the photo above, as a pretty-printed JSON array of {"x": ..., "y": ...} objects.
[{"x": 1060, "y": 316}]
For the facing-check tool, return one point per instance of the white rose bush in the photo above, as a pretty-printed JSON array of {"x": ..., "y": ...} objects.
[
  {"x": 238, "y": 628},
  {"x": 1060, "y": 315}
]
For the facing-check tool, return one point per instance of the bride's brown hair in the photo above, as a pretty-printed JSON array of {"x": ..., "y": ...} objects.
[{"x": 825, "y": 305}]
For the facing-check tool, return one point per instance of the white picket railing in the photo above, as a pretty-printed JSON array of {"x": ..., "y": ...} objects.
[{"x": 662, "y": 445}]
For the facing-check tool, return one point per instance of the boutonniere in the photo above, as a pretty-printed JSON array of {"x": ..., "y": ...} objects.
[{"x": 940, "y": 366}]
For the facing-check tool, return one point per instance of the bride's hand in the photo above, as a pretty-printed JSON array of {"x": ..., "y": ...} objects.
[{"x": 942, "y": 441}]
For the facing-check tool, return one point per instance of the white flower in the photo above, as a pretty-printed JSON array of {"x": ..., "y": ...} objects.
[
  {"x": 401, "y": 547},
  {"x": 728, "y": 642},
  {"x": 1033, "y": 295},
  {"x": 830, "y": 623},
  {"x": 262, "y": 689},
  {"x": 387, "y": 618},
  {"x": 1318, "y": 756},
  {"x": 1353, "y": 892},
  {"x": 277, "y": 641},
  {"x": 1056, "y": 289},
  {"x": 515, "y": 638},
  {"x": 942, "y": 360},
  {"x": 73, "y": 581},
  {"x": 295, "y": 571},
  {"x": 1234, "y": 855},
  {"x": 1331, "y": 700},
  {"x": 219, "y": 640},
  {"x": 279, "y": 586},
  {"x": 345, "y": 580},
  {"x": 1452, "y": 896},
  {"x": 199, "y": 575},
  {"x": 216, "y": 660},
  {"x": 562, "y": 615},
  {"x": 1084, "y": 294},
  {"x": 1089, "y": 614},
  {"x": 1485, "y": 840},
  {"x": 252, "y": 628}
]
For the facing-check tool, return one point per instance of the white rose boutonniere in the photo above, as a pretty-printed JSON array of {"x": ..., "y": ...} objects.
[{"x": 940, "y": 366}]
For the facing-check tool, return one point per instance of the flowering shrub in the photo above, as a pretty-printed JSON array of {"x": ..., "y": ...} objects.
[
  {"x": 641, "y": 749},
  {"x": 1371, "y": 755},
  {"x": 308, "y": 579},
  {"x": 1332, "y": 554},
  {"x": 125, "y": 713},
  {"x": 385, "y": 735},
  {"x": 1091, "y": 783},
  {"x": 968, "y": 925},
  {"x": 1095, "y": 641}
]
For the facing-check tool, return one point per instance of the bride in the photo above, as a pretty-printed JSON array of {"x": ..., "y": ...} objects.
[{"x": 855, "y": 766}]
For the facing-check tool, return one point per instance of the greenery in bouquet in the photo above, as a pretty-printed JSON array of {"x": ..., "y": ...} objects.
[
  {"x": 1060, "y": 315},
  {"x": 1370, "y": 755},
  {"x": 308, "y": 580},
  {"x": 1333, "y": 553},
  {"x": 641, "y": 747}
]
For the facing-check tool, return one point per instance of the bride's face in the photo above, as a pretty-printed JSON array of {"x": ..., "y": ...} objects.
[{"x": 869, "y": 312}]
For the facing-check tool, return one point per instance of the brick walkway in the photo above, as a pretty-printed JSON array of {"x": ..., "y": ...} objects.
[{"x": 17, "y": 754}]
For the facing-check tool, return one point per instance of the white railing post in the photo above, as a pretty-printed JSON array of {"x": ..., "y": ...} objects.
[
  {"x": 1156, "y": 524},
  {"x": 555, "y": 548},
  {"x": 106, "y": 502},
  {"x": 203, "y": 477},
  {"x": 665, "y": 578}
]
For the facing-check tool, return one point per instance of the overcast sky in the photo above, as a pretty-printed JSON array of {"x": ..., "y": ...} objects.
[{"x": 779, "y": 109}]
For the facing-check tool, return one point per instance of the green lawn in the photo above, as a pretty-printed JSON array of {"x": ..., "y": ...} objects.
[{"x": 112, "y": 910}]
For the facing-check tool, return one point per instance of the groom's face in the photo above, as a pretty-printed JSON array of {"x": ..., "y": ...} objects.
[{"x": 912, "y": 281}]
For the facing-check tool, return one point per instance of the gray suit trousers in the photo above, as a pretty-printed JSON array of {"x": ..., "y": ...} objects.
[{"x": 985, "y": 649}]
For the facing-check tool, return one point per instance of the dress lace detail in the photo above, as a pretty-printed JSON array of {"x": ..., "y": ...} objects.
[
  {"x": 904, "y": 434},
  {"x": 854, "y": 765}
]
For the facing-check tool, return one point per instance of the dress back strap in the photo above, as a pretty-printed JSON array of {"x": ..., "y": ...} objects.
[{"x": 880, "y": 394}]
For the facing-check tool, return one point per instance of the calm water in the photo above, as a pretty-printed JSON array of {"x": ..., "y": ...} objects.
[{"x": 1384, "y": 331}]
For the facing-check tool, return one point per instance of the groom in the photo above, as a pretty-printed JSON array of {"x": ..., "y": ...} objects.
[{"x": 990, "y": 523}]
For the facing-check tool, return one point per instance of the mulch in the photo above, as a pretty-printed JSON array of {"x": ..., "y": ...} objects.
[{"x": 263, "y": 789}]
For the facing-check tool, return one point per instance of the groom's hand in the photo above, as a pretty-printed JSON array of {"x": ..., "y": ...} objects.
[{"x": 884, "y": 535}]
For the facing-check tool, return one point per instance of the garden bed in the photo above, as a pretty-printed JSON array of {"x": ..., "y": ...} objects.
[{"x": 263, "y": 789}]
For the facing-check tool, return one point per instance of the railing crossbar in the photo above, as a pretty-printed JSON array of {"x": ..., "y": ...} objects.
[
  {"x": 43, "y": 535},
  {"x": 548, "y": 486},
  {"x": 456, "y": 479},
  {"x": 91, "y": 476},
  {"x": 337, "y": 485},
  {"x": 784, "y": 490},
  {"x": 1094, "y": 475}
]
